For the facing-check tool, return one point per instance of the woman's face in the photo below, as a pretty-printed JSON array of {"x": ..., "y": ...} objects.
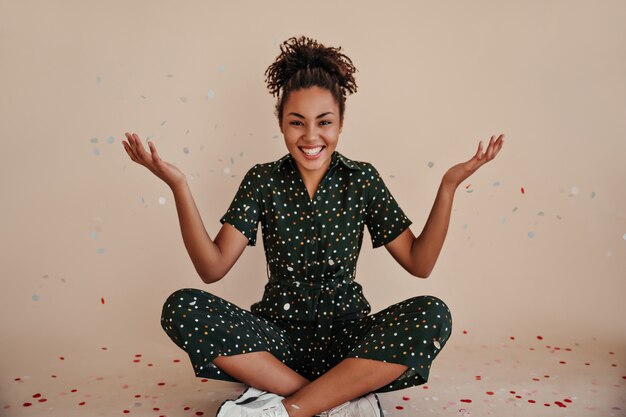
[{"x": 311, "y": 121}]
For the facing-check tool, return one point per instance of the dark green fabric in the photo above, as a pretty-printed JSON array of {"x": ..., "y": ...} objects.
[
  {"x": 313, "y": 312},
  {"x": 411, "y": 332},
  {"x": 312, "y": 245},
  {"x": 351, "y": 194}
]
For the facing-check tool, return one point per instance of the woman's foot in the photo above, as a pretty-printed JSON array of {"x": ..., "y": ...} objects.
[
  {"x": 366, "y": 406},
  {"x": 265, "y": 404}
]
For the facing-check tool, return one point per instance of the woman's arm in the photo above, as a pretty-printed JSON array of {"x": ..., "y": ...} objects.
[
  {"x": 418, "y": 255},
  {"x": 204, "y": 253},
  {"x": 427, "y": 246},
  {"x": 212, "y": 259}
]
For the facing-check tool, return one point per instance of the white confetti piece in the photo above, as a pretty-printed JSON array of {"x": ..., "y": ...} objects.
[
  {"x": 436, "y": 343},
  {"x": 286, "y": 306}
]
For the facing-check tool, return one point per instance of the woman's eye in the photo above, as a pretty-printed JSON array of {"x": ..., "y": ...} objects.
[{"x": 323, "y": 121}]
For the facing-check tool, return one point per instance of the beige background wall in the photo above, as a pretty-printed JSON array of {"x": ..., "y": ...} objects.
[{"x": 81, "y": 222}]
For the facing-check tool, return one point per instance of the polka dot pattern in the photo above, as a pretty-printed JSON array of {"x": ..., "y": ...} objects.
[
  {"x": 313, "y": 313},
  {"x": 411, "y": 332}
]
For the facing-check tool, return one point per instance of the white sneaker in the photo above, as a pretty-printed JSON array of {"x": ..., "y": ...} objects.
[
  {"x": 366, "y": 406},
  {"x": 266, "y": 404},
  {"x": 250, "y": 394}
]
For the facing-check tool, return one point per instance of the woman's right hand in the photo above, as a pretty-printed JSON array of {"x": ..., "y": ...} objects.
[{"x": 162, "y": 169}]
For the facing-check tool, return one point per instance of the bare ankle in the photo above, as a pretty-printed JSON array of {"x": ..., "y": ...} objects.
[{"x": 292, "y": 408}]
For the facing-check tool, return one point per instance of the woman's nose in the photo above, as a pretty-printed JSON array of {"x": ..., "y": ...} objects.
[{"x": 311, "y": 132}]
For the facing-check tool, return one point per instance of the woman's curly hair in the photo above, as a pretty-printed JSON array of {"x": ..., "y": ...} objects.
[{"x": 302, "y": 63}]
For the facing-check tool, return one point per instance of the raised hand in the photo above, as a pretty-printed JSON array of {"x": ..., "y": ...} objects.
[
  {"x": 162, "y": 169},
  {"x": 459, "y": 172}
]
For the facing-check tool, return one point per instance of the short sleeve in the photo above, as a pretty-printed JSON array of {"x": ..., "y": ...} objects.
[
  {"x": 385, "y": 219},
  {"x": 244, "y": 211}
]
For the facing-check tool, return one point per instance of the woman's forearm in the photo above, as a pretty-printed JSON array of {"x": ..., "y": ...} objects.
[
  {"x": 204, "y": 253},
  {"x": 427, "y": 246}
]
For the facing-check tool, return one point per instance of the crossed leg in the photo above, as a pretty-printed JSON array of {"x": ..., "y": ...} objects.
[{"x": 349, "y": 379}]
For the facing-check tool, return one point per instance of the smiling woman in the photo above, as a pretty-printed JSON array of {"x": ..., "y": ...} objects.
[
  {"x": 311, "y": 131},
  {"x": 310, "y": 345}
]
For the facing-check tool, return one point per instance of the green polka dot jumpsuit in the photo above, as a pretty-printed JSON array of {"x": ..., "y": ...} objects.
[{"x": 313, "y": 313}]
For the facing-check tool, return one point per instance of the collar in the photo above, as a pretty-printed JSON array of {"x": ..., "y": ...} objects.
[{"x": 335, "y": 159}]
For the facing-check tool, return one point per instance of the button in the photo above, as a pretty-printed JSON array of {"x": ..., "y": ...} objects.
[
  {"x": 286, "y": 306},
  {"x": 319, "y": 198}
]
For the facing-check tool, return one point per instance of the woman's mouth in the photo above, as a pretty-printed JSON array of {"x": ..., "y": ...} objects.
[{"x": 312, "y": 153}]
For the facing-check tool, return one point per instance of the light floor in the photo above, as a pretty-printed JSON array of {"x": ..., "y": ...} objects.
[{"x": 512, "y": 377}]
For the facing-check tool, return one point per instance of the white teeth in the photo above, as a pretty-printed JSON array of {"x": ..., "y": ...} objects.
[{"x": 313, "y": 151}]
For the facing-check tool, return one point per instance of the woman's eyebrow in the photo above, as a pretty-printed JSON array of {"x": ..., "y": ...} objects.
[{"x": 302, "y": 117}]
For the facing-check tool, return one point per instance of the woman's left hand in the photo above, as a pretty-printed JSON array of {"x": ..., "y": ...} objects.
[{"x": 459, "y": 172}]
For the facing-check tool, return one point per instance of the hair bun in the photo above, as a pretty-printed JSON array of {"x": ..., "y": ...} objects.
[{"x": 306, "y": 54}]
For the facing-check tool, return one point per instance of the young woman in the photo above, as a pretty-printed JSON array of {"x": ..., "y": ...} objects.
[{"x": 310, "y": 346}]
